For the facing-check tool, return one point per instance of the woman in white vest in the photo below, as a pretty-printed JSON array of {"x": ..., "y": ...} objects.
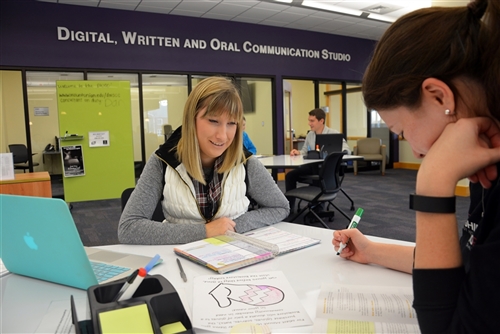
[{"x": 202, "y": 177}]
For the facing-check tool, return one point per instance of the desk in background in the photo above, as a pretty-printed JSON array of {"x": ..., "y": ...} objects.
[
  {"x": 305, "y": 269},
  {"x": 295, "y": 161},
  {"x": 298, "y": 143},
  {"x": 28, "y": 184},
  {"x": 55, "y": 160}
]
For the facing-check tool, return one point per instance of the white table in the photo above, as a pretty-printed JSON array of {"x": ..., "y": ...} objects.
[
  {"x": 295, "y": 161},
  {"x": 25, "y": 301}
]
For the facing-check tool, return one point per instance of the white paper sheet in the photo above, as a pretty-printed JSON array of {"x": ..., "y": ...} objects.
[
  {"x": 265, "y": 298},
  {"x": 365, "y": 309}
]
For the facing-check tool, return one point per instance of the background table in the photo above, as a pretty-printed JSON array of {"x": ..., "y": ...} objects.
[
  {"x": 28, "y": 184},
  {"x": 25, "y": 301},
  {"x": 287, "y": 161}
]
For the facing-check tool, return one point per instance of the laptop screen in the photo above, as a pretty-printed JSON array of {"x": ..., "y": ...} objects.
[{"x": 329, "y": 142}]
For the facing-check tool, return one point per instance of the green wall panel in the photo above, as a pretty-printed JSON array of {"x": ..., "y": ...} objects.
[{"x": 97, "y": 106}]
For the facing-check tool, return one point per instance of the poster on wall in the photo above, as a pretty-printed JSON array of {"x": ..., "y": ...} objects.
[{"x": 72, "y": 158}]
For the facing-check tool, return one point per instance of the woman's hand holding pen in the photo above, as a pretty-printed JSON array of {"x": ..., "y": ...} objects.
[
  {"x": 357, "y": 247},
  {"x": 219, "y": 227}
]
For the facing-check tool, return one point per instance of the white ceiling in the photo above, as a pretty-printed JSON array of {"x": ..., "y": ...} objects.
[{"x": 268, "y": 12}]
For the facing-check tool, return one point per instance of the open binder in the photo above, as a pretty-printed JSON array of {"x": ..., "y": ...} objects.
[{"x": 233, "y": 251}]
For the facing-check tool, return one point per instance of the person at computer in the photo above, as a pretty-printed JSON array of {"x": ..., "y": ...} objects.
[
  {"x": 434, "y": 78},
  {"x": 317, "y": 124},
  {"x": 247, "y": 142},
  {"x": 202, "y": 177}
]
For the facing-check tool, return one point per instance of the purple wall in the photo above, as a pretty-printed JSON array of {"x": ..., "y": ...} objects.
[{"x": 30, "y": 37}]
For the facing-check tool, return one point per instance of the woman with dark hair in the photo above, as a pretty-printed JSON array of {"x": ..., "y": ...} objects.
[
  {"x": 435, "y": 79},
  {"x": 202, "y": 177}
]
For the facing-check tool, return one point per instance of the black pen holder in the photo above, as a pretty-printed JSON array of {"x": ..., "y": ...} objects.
[{"x": 161, "y": 298}]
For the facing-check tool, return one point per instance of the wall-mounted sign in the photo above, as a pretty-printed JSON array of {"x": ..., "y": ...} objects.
[
  {"x": 100, "y": 138},
  {"x": 41, "y": 111}
]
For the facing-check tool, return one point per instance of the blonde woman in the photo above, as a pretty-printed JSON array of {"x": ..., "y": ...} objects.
[{"x": 202, "y": 177}]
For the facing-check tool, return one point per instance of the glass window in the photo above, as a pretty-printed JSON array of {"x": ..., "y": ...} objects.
[
  {"x": 164, "y": 97},
  {"x": 44, "y": 117}
]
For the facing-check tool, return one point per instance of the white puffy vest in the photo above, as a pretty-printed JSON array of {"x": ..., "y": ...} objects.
[{"x": 179, "y": 196}]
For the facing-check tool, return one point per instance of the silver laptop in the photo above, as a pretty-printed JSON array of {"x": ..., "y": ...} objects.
[{"x": 39, "y": 239}]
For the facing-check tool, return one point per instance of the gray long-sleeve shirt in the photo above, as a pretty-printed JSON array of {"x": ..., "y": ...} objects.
[{"x": 136, "y": 226}]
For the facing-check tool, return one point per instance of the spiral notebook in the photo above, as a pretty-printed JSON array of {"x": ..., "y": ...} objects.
[{"x": 233, "y": 251}]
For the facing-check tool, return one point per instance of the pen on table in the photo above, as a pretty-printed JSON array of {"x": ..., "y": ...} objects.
[
  {"x": 152, "y": 263},
  {"x": 183, "y": 274},
  {"x": 141, "y": 273},
  {"x": 353, "y": 224},
  {"x": 127, "y": 283}
]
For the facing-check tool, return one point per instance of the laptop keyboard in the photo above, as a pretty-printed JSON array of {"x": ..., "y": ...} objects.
[{"x": 105, "y": 271}]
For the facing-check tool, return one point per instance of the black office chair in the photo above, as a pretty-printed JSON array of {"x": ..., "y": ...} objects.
[
  {"x": 328, "y": 180},
  {"x": 157, "y": 215},
  {"x": 20, "y": 157},
  {"x": 312, "y": 179}
]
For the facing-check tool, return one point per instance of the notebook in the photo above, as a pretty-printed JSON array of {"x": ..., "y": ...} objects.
[
  {"x": 330, "y": 142},
  {"x": 39, "y": 239}
]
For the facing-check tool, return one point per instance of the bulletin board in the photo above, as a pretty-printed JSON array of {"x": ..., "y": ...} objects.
[{"x": 95, "y": 121}]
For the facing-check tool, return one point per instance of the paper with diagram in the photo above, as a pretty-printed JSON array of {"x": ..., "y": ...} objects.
[{"x": 264, "y": 298}]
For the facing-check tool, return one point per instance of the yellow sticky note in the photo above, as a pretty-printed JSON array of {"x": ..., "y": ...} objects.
[
  {"x": 133, "y": 319},
  {"x": 175, "y": 327}
]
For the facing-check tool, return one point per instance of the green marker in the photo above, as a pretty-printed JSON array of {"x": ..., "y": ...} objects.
[{"x": 353, "y": 224}]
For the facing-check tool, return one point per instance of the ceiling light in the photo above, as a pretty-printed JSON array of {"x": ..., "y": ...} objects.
[
  {"x": 331, "y": 8},
  {"x": 384, "y": 18},
  {"x": 287, "y": 1}
]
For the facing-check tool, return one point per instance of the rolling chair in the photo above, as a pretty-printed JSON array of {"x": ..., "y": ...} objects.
[
  {"x": 157, "y": 214},
  {"x": 20, "y": 157},
  {"x": 328, "y": 180},
  {"x": 310, "y": 179},
  {"x": 167, "y": 131},
  {"x": 372, "y": 150}
]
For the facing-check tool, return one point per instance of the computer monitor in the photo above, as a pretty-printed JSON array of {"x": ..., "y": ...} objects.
[{"x": 329, "y": 143}]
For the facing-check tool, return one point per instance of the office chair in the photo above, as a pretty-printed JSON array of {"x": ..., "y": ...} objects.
[
  {"x": 20, "y": 156},
  {"x": 328, "y": 181},
  {"x": 157, "y": 214},
  {"x": 372, "y": 150},
  {"x": 167, "y": 131},
  {"x": 312, "y": 179}
]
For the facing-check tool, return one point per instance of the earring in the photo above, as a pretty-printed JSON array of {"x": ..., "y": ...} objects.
[{"x": 447, "y": 112}]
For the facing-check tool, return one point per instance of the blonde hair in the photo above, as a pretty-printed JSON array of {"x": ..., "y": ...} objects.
[{"x": 219, "y": 96}]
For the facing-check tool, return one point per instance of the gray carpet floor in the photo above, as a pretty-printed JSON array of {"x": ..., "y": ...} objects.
[{"x": 383, "y": 198}]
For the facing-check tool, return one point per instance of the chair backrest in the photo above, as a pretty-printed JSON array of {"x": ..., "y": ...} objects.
[
  {"x": 167, "y": 131},
  {"x": 157, "y": 215},
  {"x": 19, "y": 152},
  {"x": 369, "y": 145},
  {"x": 329, "y": 173}
]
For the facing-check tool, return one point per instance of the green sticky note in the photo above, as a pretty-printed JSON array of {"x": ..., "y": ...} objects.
[
  {"x": 176, "y": 327},
  {"x": 133, "y": 319}
]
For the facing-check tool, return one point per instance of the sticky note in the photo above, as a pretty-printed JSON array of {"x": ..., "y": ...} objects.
[
  {"x": 175, "y": 327},
  {"x": 133, "y": 319}
]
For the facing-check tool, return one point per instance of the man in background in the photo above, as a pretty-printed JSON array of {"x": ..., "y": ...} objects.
[{"x": 317, "y": 124}]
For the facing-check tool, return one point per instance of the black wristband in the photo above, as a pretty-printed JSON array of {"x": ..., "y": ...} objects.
[{"x": 432, "y": 204}]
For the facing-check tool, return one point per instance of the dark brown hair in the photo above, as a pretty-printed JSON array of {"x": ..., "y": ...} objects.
[
  {"x": 318, "y": 113},
  {"x": 445, "y": 43}
]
